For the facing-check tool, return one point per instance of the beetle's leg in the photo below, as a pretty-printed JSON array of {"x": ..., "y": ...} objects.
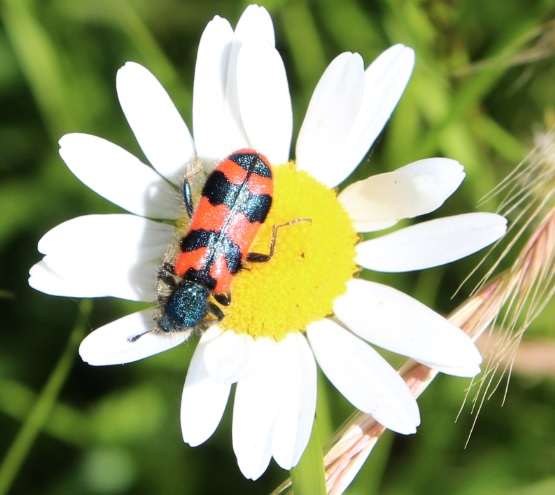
[
  {"x": 262, "y": 258},
  {"x": 188, "y": 197},
  {"x": 165, "y": 274},
  {"x": 223, "y": 299},
  {"x": 216, "y": 311}
]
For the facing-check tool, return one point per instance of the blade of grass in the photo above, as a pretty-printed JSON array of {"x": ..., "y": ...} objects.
[
  {"x": 308, "y": 477},
  {"x": 38, "y": 58},
  {"x": 21, "y": 446}
]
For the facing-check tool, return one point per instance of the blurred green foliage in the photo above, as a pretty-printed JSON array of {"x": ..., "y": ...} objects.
[{"x": 483, "y": 80}]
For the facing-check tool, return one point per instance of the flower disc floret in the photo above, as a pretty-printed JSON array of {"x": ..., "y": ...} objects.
[{"x": 312, "y": 263}]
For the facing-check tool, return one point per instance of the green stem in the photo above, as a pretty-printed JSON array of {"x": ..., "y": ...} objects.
[
  {"x": 21, "y": 446},
  {"x": 308, "y": 477}
]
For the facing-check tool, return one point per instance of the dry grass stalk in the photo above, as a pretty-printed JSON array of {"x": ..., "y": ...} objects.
[{"x": 533, "y": 46}]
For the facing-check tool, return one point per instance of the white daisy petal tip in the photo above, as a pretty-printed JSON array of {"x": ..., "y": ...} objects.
[
  {"x": 392, "y": 320},
  {"x": 399, "y": 56},
  {"x": 406, "y": 52},
  {"x": 211, "y": 67},
  {"x": 129, "y": 67},
  {"x": 432, "y": 243},
  {"x": 363, "y": 377},
  {"x": 467, "y": 362},
  {"x": 385, "y": 81},
  {"x": 123, "y": 252},
  {"x": 103, "y": 166},
  {"x": 416, "y": 189},
  {"x": 154, "y": 120},
  {"x": 402, "y": 425},
  {"x": 349, "y": 108},
  {"x": 328, "y": 123},
  {"x": 126, "y": 340},
  {"x": 469, "y": 371},
  {"x": 45, "y": 280},
  {"x": 256, "y": 22}
]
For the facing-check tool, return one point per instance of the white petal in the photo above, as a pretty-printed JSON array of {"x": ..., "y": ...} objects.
[
  {"x": 209, "y": 91},
  {"x": 204, "y": 400},
  {"x": 117, "y": 255},
  {"x": 45, "y": 280},
  {"x": 297, "y": 400},
  {"x": 254, "y": 26},
  {"x": 363, "y": 376},
  {"x": 462, "y": 371},
  {"x": 390, "y": 319},
  {"x": 128, "y": 339},
  {"x": 254, "y": 412},
  {"x": 415, "y": 189},
  {"x": 236, "y": 136},
  {"x": 385, "y": 81},
  {"x": 156, "y": 123},
  {"x": 330, "y": 116},
  {"x": 229, "y": 357},
  {"x": 119, "y": 177},
  {"x": 264, "y": 100},
  {"x": 432, "y": 243},
  {"x": 255, "y": 23}
]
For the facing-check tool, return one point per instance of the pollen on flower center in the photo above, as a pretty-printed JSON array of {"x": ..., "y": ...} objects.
[{"x": 312, "y": 262}]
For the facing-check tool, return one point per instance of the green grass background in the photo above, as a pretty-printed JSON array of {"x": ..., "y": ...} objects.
[{"x": 484, "y": 80}]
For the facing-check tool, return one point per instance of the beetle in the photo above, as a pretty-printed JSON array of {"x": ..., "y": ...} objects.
[{"x": 234, "y": 203}]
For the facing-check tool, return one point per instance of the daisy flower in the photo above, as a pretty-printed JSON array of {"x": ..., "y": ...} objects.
[{"x": 309, "y": 304}]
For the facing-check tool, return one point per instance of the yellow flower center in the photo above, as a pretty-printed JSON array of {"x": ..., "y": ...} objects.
[{"x": 313, "y": 260}]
